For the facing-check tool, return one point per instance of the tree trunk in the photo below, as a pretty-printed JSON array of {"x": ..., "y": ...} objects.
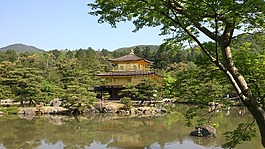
[
  {"x": 242, "y": 89},
  {"x": 259, "y": 115},
  {"x": 22, "y": 101}
]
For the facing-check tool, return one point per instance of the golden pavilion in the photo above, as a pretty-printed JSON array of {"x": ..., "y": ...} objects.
[{"x": 126, "y": 69}]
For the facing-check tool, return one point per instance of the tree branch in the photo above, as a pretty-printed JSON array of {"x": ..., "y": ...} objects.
[
  {"x": 216, "y": 37},
  {"x": 228, "y": 32},
  {"x": 176, "y": 7}
]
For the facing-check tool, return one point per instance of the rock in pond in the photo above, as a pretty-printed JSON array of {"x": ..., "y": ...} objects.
[{"x": 204, "y": 131}]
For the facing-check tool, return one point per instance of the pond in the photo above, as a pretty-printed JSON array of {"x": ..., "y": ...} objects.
[{"x": 110, "y": 131}]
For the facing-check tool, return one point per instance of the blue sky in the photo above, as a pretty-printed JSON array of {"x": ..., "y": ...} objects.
[{"x": 61, "y": 24}]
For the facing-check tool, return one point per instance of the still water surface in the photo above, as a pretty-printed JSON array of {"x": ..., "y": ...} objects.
[{"x": 105, "y": 131}]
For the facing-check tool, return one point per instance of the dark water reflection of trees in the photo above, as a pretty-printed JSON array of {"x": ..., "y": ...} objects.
[{"x": 114, "y": 131}]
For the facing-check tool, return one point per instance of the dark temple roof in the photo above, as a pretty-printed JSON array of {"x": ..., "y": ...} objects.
[
  {"x": 129, "y": 57},
  {"x": 127, "y": 73}
]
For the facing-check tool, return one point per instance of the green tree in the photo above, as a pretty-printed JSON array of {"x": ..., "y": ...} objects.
[
  {"x": 69, "y": 54},
  {"x": 76, "y": 83},
  {"x": 56, "y": 53},
  {"x": 192, "y": 83},
  {"x": 147, "y": 53},
  {"x": 11, "y": 55},
  {"x": 5, "y": 90},
  {"x": 105, "y": 52},
  {"x": 23, "y": 80},
  {"x": 146, "y": 89},
  {"x": 143, "y": 91},
  {"x": 217, "y": 19},
  {"x": 250, "y": 59},
  {"x": 130, "y": 91},
  {"x": 168, "y": 53},
  {"x": 138, "y": 52}
]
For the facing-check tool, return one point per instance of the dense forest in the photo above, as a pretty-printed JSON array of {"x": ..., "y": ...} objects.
[{"x": 70, "y": 74}]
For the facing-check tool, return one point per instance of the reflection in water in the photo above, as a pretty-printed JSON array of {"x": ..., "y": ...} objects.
[
  {"x": 101, "y": 131},
  {"x": 57, "y": 145},
  {"x": 56, "y": 120}
]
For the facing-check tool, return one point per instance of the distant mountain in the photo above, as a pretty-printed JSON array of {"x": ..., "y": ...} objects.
[
  {"x": 20, "y": 48},
  {"x": 140, "y": 47}
]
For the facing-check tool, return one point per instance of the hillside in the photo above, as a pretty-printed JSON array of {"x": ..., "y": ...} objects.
[
  {"x": 140, "y": 47},
  {"x": 19, "y": 48}
]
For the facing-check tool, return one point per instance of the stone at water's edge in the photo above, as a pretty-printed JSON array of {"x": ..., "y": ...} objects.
[
  {"x": 56, "y": 103},
  {"x": 53, "y": 110},
  {"x": 114, "y": 107},
  {"x": 27, "y": 111},
  {"x": 2, "y": 113},
  {"x": 42, "y": 110},
  {"x": 110, "y": 107},
  {"x": 98, "y": 107}
]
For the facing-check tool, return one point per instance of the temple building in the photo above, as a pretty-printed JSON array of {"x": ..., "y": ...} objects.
[{"x": 126, "y": 69}]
